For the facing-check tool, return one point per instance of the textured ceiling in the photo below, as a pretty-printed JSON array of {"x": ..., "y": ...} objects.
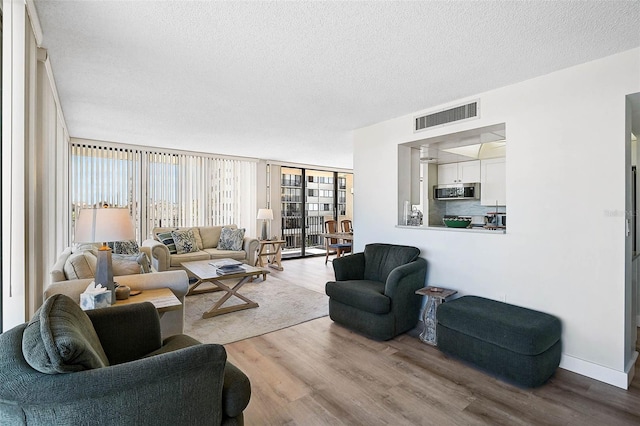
[{"x": 289, "y": 81}]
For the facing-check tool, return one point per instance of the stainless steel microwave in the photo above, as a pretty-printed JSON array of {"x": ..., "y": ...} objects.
[{"x": 457, "y": 191}]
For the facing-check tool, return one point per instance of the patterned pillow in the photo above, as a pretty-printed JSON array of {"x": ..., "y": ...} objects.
[
  {"x": 231, "y": 239},
  {"x": 124, "y": 247},
  {"x": 185, "y": 241},
  {"x": 167, "y": 239}
]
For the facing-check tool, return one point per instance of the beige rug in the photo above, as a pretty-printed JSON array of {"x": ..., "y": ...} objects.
[{"x": 281, "y": 305}]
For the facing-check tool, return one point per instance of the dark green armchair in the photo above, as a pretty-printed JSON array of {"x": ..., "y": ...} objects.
[
  {"x": 110, "y": 367},
  {"x": 374, "y": 291}
]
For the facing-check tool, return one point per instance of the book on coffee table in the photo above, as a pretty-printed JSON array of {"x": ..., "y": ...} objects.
[
  {"x": 232, "y": 269},
  {"x": 225, "y": 263}
]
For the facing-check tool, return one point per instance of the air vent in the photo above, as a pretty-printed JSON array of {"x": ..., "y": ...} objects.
[{"x": 462, "y": 112}]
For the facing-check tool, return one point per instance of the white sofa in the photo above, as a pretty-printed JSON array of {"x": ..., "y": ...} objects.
[
  {"x": 171, "y": 322},
  {"x": 207, "y": 238}
]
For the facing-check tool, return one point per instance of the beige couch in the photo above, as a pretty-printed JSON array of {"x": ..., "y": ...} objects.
[
  {"x": 207, "y": 238},
  {"x": 171, "y": 322}
]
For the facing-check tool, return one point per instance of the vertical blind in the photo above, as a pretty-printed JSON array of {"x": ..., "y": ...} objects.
[
  {"x": 163, "y": 188},
  {"x": 104, "y": 176}
]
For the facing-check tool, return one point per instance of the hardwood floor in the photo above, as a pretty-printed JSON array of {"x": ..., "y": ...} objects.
[{"x": 319, "y": 373}]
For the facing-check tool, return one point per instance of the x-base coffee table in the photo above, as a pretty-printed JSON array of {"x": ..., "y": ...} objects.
[{"x": 205, "y": 272}]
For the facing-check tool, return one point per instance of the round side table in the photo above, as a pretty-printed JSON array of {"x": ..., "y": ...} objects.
[{"x": 435, "y": 297}]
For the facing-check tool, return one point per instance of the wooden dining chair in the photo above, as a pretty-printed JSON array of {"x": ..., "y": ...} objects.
[
  {"x": 334, "y": 244},
  {"x": 345, "y": 224}
]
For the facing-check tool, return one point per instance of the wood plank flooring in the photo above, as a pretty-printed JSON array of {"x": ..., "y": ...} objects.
[{"x": 319, "y": 373}]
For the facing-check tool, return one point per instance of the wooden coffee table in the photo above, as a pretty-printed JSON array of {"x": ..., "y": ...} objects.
[{"x": 205, "y": 272}]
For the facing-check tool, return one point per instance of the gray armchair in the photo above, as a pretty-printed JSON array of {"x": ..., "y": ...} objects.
[
  {"x": 130, "y": 377},
  {"x": 374, "y": 291}
]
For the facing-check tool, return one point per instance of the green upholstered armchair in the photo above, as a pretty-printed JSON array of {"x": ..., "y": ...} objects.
[
  {"x": 109, "y": 367},
  {"x": 374, "y": 291}
]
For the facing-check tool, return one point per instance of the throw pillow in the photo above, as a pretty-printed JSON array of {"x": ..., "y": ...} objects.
[
  {"x": 84, "y": 247},
  {"x": 60, "y": 338},
  {"x": 80, "y": 265},
  {"x": 143, "y": 261},
  {"x": 231, "y": 239},
  {"x": 167, "y": 239},
  {"x": 185, "y": 241},
  {"x": 125, "y": 264},
  {"x": 124, "y": 247}
]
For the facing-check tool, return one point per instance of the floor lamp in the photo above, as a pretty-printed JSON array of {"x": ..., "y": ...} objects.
[
  {"x": 100, "y": 225},
  {"x": 265, "y": 214}
]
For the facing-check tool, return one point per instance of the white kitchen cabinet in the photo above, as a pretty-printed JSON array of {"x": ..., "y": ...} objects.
[
  {"x": 465, "y": 172},
  {"x": 469, "y": 171},
  {"x": 447, "y": 173},
  {"x": 493, "y": 182}
]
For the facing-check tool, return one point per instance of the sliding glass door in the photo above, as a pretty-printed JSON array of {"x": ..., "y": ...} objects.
[
  {"x": 308, "y": 199},
  {"x": 292, "y": 217},
  {"x": 320, "y": 207},
  {"x": 344, "y": 190}
]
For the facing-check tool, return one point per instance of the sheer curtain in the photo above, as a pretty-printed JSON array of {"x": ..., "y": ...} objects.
[{"x": 164, "y": 188}]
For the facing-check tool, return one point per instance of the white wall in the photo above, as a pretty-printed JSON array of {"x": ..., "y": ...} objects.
[{"x": 564, "y": 252}]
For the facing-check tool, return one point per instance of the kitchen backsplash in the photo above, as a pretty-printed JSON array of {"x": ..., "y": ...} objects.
[
  {"x": 466, "y": 208},
  {"x": 437, "y": 210}
]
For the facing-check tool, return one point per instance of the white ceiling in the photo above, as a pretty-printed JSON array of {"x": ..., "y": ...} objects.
[{"x": 289, "y": 81}]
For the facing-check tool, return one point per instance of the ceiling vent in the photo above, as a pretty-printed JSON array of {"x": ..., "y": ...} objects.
[{"x": 462, "y": 112}]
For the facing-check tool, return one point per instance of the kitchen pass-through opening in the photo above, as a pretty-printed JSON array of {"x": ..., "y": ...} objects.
[{"x": 457, "y": 180}]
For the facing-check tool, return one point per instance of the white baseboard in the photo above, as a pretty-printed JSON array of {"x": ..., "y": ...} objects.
[{"x": 620, "y": 379}]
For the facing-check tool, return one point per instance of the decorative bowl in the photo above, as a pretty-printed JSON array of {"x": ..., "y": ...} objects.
[{"x": 456, "y": 222}]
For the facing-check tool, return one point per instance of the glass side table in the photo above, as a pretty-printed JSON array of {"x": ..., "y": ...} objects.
[{"x": 435, "y": 297}]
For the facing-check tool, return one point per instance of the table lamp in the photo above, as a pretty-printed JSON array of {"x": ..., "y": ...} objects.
[
  {"x": 101, "y": 225},
  {"x": 265, "y": 214}
]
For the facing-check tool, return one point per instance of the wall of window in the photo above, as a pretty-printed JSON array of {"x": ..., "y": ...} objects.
[{"x": 163, "y": 188}]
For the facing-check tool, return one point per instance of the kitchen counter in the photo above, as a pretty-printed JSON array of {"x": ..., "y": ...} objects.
[{"x": 447, "y": 229}]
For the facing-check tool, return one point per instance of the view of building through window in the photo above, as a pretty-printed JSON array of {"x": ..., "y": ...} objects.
[
  {"x": 308, "y": 199},
  {"x": 162, "y": 188},
  {"x": 166, "y": 189}
]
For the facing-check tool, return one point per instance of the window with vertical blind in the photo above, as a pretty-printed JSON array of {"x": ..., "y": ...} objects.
[
  {"x": 102, "y": 176},
  {"x": 163, "y": 188}
]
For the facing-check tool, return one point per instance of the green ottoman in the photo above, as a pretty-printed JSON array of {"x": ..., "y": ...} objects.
[{"x": 518, "y": 344}]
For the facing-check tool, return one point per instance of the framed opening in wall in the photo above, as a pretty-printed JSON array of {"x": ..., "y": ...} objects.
[{"x": 455, "y": 180}]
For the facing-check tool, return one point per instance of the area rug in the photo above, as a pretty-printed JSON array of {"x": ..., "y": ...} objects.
[{"x": 281, "y": 305}]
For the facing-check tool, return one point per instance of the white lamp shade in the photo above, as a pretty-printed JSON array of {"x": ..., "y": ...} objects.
[
  {"x": 102, "y": 225},
  {"x": 265, "y": 214}
]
